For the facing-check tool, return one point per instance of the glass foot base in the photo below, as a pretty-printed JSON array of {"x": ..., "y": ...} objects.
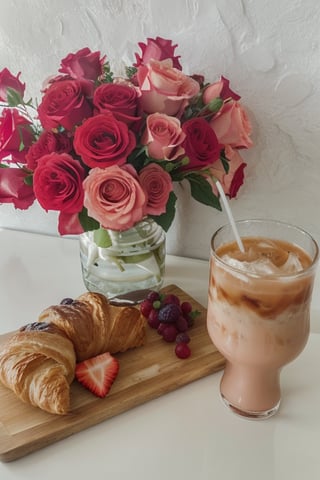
[{"x": 251, "y": 415}]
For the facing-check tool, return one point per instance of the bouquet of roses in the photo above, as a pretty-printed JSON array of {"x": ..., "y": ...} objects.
[{"x": 104, "y": 151}]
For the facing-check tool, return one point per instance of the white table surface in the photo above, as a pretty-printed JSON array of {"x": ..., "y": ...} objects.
[{"x": 186, "y": 434}]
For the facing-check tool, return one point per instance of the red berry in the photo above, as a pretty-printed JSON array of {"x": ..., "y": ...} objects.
[
  {"x": 171, "y": 298},
  {"x": 182, "y": 324},
  {"x": 182, "y": 350},
  {"x": 186, "y": 307},
  {"x": 169, "y": 313},
  {"x": 182, "y": 337},
  {"x": 153, "y": 296},
  {"x": 161, "y": 327},
  {"x": 145, "y": 307},
  {"x": 153, "y": 319},
  {"x": 169, "y": 333}
]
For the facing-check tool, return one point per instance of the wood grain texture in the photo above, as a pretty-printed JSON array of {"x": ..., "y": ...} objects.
[{"x": 145, "y": 373}]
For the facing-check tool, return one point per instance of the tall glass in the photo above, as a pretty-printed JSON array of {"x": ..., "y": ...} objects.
[{"x": 259, "y": 312}]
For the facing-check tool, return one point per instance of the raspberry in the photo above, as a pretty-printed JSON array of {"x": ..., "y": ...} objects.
[
  {"x": 153, "y": 319},
  {"x": 182, "y": 324},
  {"x": 169, "y": 313},
  {"x": 171, "y": 298},
  {"x": 182, "y": 337},
  {"x": 146, "y": 307},
  {"x": 169, "y": 333},
  {"x": 182, "y": 350}
]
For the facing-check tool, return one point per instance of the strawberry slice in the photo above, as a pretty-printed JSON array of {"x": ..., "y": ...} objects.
[{"x": 97, "y": 374}]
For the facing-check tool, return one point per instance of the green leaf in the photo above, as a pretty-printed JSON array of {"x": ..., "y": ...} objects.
[
  {"x": 102, "y": 238},
  {"x": 87, "y": 223},
  {"x": 138, "y": 157},
  {"x": 14, "y": 98},
  {"x": 28, "y": 180},
  {"x": 202, "y": 192},
  {"x": 130, "y": 71},
  {"x": 107, "y": 73},
  {"x": 166, "y": 218},
  {"x": 224, "y": 162}
]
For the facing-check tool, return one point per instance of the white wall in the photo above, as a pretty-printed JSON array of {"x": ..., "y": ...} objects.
[{"x": 270, "y": 51}]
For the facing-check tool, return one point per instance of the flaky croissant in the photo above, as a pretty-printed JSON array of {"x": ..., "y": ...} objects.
[{"x": 38, "y": 362}]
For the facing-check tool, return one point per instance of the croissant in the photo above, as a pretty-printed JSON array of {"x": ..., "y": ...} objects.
[{"x": 38, "y": 362}]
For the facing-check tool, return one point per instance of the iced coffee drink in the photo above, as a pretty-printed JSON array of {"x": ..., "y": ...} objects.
[{"x": 258, "y": 309}]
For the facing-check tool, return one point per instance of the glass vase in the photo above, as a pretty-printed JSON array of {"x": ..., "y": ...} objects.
[{"x": 134, "y": 261}]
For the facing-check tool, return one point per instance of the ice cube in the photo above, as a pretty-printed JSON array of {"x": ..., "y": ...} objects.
[
  {"x": 292, "y": 265},
  {"x": 265, "y": 266},
  {"x": 260, "y": 266}
]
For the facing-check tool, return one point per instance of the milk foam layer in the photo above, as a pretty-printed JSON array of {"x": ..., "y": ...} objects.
[
  {"x": 265, "y": 266},
  {"x": 265, "y": 257}
]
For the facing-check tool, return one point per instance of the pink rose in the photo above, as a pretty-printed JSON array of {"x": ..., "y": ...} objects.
[
  {"x": 157, "y": 49},
  {"x": 119, "y": 99},
  {"x": 163, "y": 136},
  {"x": 165, "y": 89},
  {"x": 64, "y": 103},
  {"x": 157, "y": 184},
  {"x": 83, "y": 64},
  {"x": 7, "y": 80},
  {"x": 102, "y": 141},
  {"x": 57, "y": 183},
  {"x": 201, "y": 144},
  {"x": 48, "y": 142},
  {"x": 232, "y": 126},
  {"x": 13, "y": 188},
  {"x": 219, "y": 89},
  {"x": 15, "y": 135},
  {"x": 114, "y": 197},
  {"x": 231, "y": 181}
]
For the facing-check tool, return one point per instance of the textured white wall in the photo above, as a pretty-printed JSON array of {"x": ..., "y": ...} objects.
[{"x": 270, "y": 51}]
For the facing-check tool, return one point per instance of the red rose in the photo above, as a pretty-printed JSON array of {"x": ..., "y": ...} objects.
[
  {"x": 7, "y": 80},
  {"x": 83, "y": 64},
  {"x": 13, "y": 188},
  {"x": 157, "y": 49},
  {"x": 57, "y": 183},
  {"x": 15, "y": 135},
  {"x": 64, "y": 103},
  {"x": 157, "y": 184},
  {"x": 102, "y": 141},
  {"x": 119, "y": 99},
  {"x": 69, "y": 224},
  {"x": 201, "y": 144},
  {"x": 48, "y": 142}
]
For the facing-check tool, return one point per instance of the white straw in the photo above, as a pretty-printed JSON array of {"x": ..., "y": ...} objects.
[{"x": 230, "y": 216}]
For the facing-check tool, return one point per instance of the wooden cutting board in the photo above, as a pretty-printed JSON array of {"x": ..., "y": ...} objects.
[{"x": 145, "y": 373}]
